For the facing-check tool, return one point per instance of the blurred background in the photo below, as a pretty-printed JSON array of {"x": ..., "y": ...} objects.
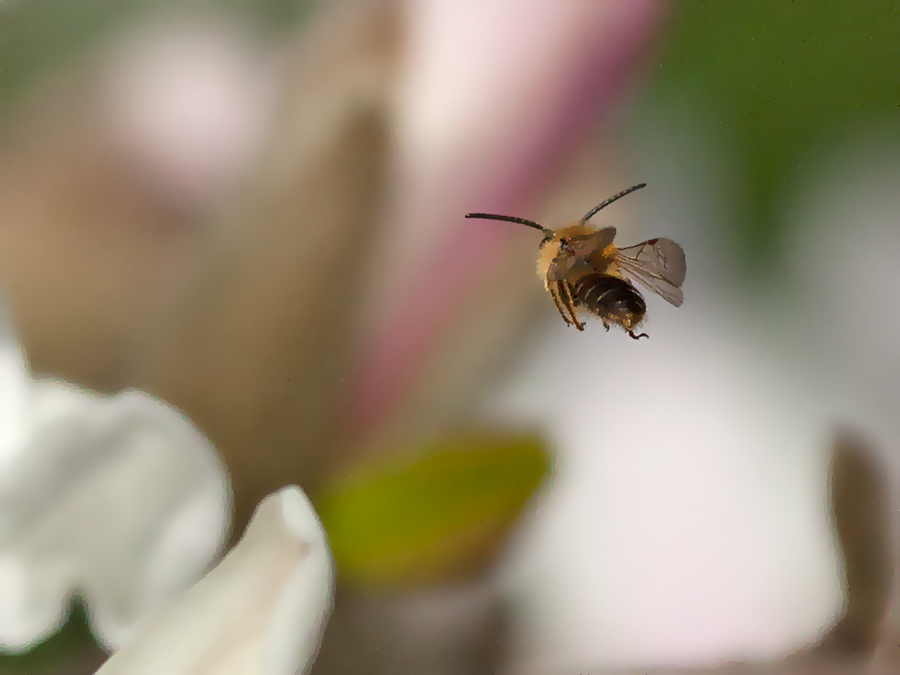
[{"x": 234, "y": 257}]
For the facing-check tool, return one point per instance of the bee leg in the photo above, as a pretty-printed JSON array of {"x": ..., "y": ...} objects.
[
  {"x": 565, "y": 292},
  {"x": 637, "y": 337},
  {"x": 559, "y": 306},
  {"x": 606, "y": 326}
]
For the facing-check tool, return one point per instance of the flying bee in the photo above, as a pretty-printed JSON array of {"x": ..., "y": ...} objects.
[{"x": 583, "y": 270}]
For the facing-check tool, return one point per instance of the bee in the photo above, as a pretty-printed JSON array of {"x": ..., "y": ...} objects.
[{"x": 583, "y": 270}]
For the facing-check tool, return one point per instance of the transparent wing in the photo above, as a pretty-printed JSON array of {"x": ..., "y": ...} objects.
[
  {"x": 657, "y": 264},
  {"x": 591, "y": 247},
  {"x": 593, "y": 244}
]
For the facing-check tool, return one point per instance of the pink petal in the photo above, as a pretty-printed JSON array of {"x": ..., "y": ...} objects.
[{"x": 496, "y": 94}]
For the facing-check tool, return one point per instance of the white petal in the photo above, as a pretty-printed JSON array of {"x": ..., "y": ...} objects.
[
  {"x": 15, "y": 392},
  {"x": 117, "y": 498},
  {"x": 261, "y": 610}
]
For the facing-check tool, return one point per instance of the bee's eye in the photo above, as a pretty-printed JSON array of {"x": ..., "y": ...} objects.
[{"x": 563, "y": 242}]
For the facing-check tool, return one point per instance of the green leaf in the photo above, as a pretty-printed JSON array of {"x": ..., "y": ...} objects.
[
  {"x": 440, "y": 514},
  {"x": 780, "y": 81},
  {"x": 72, "y": 649}
]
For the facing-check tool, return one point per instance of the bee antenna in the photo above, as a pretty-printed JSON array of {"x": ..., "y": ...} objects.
[
  {"x": 606, "y": 202},
  {"x": 511, "y": 219}
]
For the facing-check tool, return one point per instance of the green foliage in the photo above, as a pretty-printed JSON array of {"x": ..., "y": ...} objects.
[
  {"x": 73, "y": 646},
  {"x": 436, "y": 515},
  {"x": 781, "y": 79}
]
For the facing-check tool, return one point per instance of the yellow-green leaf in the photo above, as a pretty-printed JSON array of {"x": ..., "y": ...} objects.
[{"x": 436, "y": 515}]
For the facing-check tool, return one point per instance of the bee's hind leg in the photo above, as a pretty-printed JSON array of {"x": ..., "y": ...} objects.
[{"x": 637, "y": 337}]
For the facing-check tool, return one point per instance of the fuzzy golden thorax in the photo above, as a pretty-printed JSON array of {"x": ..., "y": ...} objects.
[{"x": 587, "y": 255}]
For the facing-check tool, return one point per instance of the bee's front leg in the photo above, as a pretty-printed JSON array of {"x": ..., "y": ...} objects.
[
  {"x": 558, "y": 302},
  {"x": 568, "y": 301}
]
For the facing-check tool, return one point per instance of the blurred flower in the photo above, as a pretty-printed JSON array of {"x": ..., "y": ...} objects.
[
  {"x": 259, "y": 327},
  {"x": 113, "y": 175},
  {"x": 191, "y": 100},
  {"x": 260, "y": 610},
  {"x": 494, "y": 102},
  {"x": 117, "y": 499},
  {"x": 688, "y": 522},
  {"x": 844, "y": 288}
]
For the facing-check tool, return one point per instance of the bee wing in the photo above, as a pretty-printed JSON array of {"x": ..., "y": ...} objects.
[
  {"x": 584, "y": 250},
  {"x": 657, "y": 264},
  {"x": 588, "y": 246},
  {"x": 595, "y": 241}
]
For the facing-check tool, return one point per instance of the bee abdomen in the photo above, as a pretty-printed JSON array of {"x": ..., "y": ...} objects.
[{"x": 609, "y": 297}]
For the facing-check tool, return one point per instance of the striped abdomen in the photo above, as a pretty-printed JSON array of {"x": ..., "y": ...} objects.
[{"x": 610, "y": 298}]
